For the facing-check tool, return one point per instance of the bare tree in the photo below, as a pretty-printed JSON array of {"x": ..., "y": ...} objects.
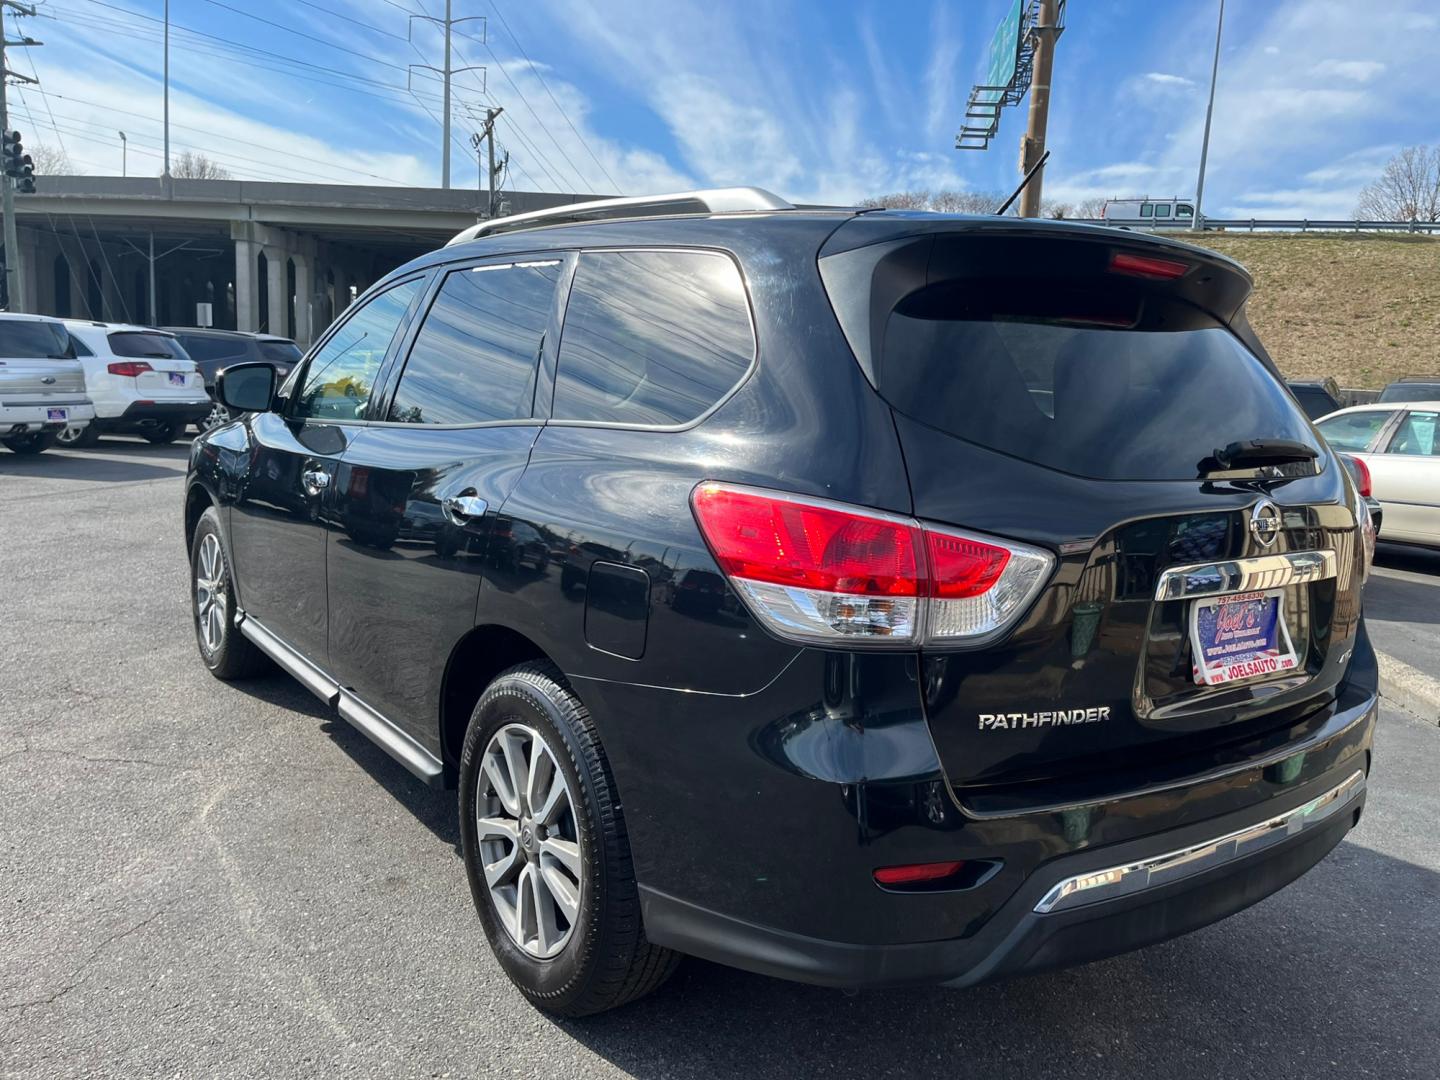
[
  {"x": 192, "y": 166},
  {"x": 50, "y": 160},
  {"x": 1092, "y": 207},
  {"x": 1408, "y": 189},
  {"x": 945, "y": 201}
]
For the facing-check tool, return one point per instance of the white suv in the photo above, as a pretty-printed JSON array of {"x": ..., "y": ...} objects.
[{"x": 141, "y": 380}]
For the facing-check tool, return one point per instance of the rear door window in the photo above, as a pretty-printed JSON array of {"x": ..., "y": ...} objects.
[
  {"x": 654, "y": 338},
  {"x": 209, "y": 350},
  {"x": 1415, "y": 436},
  {"x": 1354, "y": 431},
  {"x": 1110, "y": 384},
  {"x": 475, "y": 357}
]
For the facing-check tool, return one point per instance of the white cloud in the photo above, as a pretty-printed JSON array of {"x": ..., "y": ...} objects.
[
  {"x": 1162, "y": 78},
  {"x": 1360, "y": 71}
]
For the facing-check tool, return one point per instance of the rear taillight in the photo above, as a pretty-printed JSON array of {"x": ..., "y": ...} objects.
[
  {"x": 817, "y": 571},
  {"x": 129, "y": 368},
  {"x": 1362, "y": 475}
]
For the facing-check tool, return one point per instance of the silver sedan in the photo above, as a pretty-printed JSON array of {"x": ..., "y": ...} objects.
[{"x": 1397, "y": 443}]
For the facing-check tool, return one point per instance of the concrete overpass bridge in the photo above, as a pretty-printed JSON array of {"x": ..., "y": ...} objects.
[{"x": 282, "y": 258}]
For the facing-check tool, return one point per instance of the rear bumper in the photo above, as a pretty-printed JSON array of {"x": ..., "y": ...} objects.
[
  {"x": 16, "y": 419},
  {"x": 1140, "y": 893},
  {"x": 143, "y": 413}
]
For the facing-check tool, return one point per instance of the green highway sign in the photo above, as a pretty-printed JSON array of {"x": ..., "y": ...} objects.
[{"x": 1004, "y": 55}]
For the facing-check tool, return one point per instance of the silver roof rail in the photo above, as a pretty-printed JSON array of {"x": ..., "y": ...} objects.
[{"x": 712, "y": 201}]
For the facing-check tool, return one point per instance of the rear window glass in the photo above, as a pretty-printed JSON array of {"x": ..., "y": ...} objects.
[
  {"x": 652, "y": 337},
  {"x": 1314, "y": 401},
  {"x": 1354, "y": 431},
  {"x": 31, "y": 339},
  {"x": 136, "y": 343},
  {"x": 280, "y": 352},
  {"x": 1411, "y": 392},
  {"x": 208, "y": 350},
  {"x": 1111, "y": 385}
]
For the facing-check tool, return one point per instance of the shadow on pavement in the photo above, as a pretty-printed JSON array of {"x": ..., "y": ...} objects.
[
  {"x": 1305, "y": 984},
  {"x": 1417, "y": 560},
  {"x": 107, "y": 462},
  {"x": 1404, "y": 600}
]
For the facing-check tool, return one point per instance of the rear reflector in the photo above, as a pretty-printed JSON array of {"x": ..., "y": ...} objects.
[
  {"x": 129, "y": 368},
  {"x": 916, "y": 873},
  {"x": 1122, "y": 262},
  {"x": 822, "y": 572}
]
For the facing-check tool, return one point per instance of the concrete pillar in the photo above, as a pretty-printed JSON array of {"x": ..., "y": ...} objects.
[
  {"x": 304, "y": 299},
  {"x": 275, "y": 282},
  {"x": 115, "y": 308},
  {"x": 247, "y": 288},
  {"x": 29, "y": 272}
]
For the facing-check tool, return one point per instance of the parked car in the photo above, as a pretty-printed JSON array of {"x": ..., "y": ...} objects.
[
  {"x": 1412, "y": 388},
  {"x": 1040, "y": 636},
  {"x": 140, "y": 379},
  {"x": 212, "y": 350},
  {"x": 1318, "y": 397},
  {"x": 1395, "y": 443},
  {"x": 1360, "y": 477},
  {"x": 42, "y": 387}
]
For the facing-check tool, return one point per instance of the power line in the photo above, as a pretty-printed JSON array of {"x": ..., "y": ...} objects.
[
  {"x": 301, "y": 33},
  {"x": 351, "y": 19},
  {"x": 564, "y": 115}
]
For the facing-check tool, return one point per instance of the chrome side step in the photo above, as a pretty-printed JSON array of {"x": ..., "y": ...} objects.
[
  {"x": 390, "y": 738},
  {"x": 1173, "y": 866},
  {"x": 374, "y": 726}
]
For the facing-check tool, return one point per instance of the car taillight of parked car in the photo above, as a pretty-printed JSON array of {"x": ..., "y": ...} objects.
[
  {"x": 817, "y": 571},
  {"x": 1361, "y": 472},
  {"x": 129, "y": 368}
]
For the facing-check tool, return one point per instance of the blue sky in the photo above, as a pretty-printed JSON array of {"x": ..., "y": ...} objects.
[{"x": 817, "y": 100}]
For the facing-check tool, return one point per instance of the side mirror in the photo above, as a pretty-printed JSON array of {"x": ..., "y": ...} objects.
[{"x": 246, "y": 387}]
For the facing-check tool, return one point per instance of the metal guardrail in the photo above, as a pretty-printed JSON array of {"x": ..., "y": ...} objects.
[{"x": 1276, "y": 225}]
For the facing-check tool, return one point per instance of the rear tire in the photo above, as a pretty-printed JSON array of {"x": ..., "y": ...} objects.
[
  {"x": 228, "y": 653},
  {"x": 32, "y": 442},
  {"x": 601, "y": 958},
  {"x": 162, "y": 433},
  {"x": 78, "y": 438}
]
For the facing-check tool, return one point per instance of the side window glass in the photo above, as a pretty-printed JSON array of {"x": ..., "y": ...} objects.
[
  {"x": 1162, "y": 209},
  {"x": 477, "y": 352},
  {"x": 1354, "y": 431},
  {"x": 652, "y": 337},
  {"x": 1147, "y": 209},
  {"x": 341, "y": 376},
  {"x": 1416, "y": 436},
  {"x": 1184, "y": 210},
  {"x": 81, "y": 349}
]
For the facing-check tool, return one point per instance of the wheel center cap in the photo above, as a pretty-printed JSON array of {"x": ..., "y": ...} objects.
[{"x": 527, "y": 837}]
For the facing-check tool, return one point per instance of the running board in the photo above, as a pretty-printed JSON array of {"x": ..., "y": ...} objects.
[{"x": 377, "y": 728}]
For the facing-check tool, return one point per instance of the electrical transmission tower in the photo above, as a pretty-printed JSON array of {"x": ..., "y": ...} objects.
[{"x": 448, "y": 23}]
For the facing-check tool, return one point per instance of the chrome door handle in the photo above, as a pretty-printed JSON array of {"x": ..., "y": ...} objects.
[
  {"x": 315, "y": 480},
  {"x": 462, "y": 509}
]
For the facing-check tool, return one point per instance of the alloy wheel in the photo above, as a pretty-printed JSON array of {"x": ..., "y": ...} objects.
[
  {"x": 70, "y": 434},
  {"x": 528, "y": 841},
  {"x": 211, "y": 599}
]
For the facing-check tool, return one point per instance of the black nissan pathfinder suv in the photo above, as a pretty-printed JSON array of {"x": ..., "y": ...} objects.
[{"x": 864, "y": 598}]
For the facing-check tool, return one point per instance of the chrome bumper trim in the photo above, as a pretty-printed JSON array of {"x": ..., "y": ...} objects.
[
  {"x": 1151, "y": 873},
  {"x": 1245, "y": 575}
]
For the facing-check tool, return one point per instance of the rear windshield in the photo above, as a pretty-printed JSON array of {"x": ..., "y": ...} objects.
[
  {"x": 1111, "y": 385},
  {"x": 1411, "y": 392},
  {"x": 280, "y": 352},
  {"x": 139, "y": 343},
  {"x": 29, "y": 339}
]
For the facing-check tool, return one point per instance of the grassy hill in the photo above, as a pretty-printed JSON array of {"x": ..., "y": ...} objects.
[{"x": 1363, "y": 308}]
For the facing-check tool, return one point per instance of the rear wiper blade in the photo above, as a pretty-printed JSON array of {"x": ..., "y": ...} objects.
[{"x": 1258, "y": 453}]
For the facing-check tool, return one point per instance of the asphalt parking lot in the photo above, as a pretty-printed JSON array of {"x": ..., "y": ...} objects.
[{"x": 200, "y": 879}]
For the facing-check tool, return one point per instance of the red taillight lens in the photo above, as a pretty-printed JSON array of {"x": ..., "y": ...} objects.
[
  {"x": 816, "y": 571},
  {"x": 1146, "y": 266},
  {"x": 961, "y": 567},
  {"x": 788, "y": 542},
  {"x": 129, "y": 368},
  {"x": 1362, "y": 476},
  {"x": 917, "y": 872}
]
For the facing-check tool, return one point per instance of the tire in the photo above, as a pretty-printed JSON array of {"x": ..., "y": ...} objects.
[
  {"x": 602, "y": 959},
  {"x": 162, "y": 433},
  {"x": 78, "y": 438},
  {"x": 228, "y": 653},
  {"x": 32, "y": 442}
]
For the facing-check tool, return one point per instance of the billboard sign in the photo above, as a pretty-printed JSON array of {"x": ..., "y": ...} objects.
[{"x": 1004, "y": 57}]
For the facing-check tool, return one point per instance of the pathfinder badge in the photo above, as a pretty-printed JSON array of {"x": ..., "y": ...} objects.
[{"x": 1013, "y": 720}]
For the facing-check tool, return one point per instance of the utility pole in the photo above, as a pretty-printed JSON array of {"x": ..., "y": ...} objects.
[
  {"x": 167, "y": 92},
  {"x": 491, "y": 115},
  {"x": 124, "y": 154},
  {"x": 446, "y": 73},
  {"x": 14, "y": 279},
  {"x": 1046, "y": 30},
  {"x": 1198, "y": 224}
]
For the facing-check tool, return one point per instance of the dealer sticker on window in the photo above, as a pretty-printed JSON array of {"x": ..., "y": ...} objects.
[{"x": 1240, "y": 637}]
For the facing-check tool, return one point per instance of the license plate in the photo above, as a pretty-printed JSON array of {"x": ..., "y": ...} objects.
[
  {"x": 1240, "y": 637},
  {"x": 177, "y": 378},
  {"x": 56, "y": 414}
]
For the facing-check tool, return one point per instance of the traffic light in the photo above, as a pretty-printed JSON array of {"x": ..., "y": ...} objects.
[{"x": 17, "y": 163}]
